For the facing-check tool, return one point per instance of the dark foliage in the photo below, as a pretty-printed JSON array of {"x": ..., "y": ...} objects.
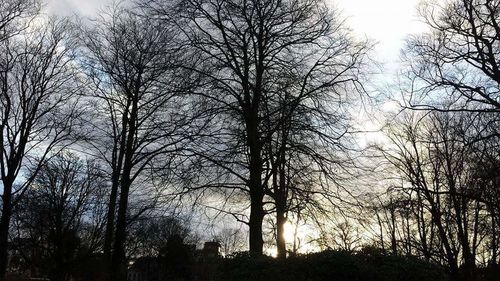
[
  {"x": 490, "y": 273},
  {"x": 368, "y": 264}
]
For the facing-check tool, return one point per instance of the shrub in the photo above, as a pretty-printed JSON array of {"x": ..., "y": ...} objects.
[{"x": 365, "y": 265}]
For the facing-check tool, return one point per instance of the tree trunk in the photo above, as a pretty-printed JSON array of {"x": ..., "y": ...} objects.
[
  {"x": 255, "y": 223},
  {"x": 394, "y": 242},
  {"x": 118, "y": 267},
  {"x": 454, "y": 274},
  {"x": 255, "y": 183},
  {"x": 256, "y": 211},
  {"x": 469, "y": 270},
  {"x": 110, "y": 220},
  {"x": 281, "y": 202},
  {"x": 118, "y": 262},
  {"x": 4, "y": 228},
  {"x": 117, "y": 164}
]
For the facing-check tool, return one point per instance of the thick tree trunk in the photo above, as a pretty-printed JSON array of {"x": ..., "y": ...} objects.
[
  {"x": 256, "y": 220},
  {"x": 255, "y": 183},
  {"x": 118, "y": 263},
  {"x": 4, "y": 228},
  {"x": 469, "y": 270},
  {"x": 58, "y": 267},
  {"x": 256, "y": 206},
  {"x": 454, "y": 274}
]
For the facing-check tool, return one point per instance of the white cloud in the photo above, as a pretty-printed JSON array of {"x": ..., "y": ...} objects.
[
  {"x": 80, "y": 7},
  {"x": 388, "y": 22}
]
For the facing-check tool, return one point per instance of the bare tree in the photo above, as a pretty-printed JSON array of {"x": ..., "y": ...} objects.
[
  {"x": 308, "y": 148},
  {"x": 143, "y": 119},
  {"x": 454, "y": 67},
  {"x": 457, "y": 58},
  {"x": 150, "y": 235},
  {"x": 15, "y": 16},
  {"x": 438, "y": 173},
  {"x": 38, "y": 109},
  {"x": 232, "y": 240},
  {"x": 53, "y": 217},
  {"x": 251, "y": 51}
]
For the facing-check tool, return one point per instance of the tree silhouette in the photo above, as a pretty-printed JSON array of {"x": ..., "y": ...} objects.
[{"x": 38, "y": 107}]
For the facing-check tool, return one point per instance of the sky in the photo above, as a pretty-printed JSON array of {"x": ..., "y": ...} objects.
[{"x": 387, "y": 22}]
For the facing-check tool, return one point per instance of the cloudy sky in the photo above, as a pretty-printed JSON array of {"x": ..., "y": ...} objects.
[{"x": 385, "y": 21}]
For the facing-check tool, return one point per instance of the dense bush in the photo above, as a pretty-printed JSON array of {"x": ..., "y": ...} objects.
[
  {"x": 489, "y": 273},
  {"x": 369, "y": 265}
]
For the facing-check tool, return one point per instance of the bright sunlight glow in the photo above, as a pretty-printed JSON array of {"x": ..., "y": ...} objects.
[{"x": 289, "y": 232}]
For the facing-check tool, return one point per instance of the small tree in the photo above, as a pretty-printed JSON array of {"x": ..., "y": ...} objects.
[
  {"x": 438, "y": 175},
  {"x": 54, "y": 214},
  {"x": 149, "y": 235}
]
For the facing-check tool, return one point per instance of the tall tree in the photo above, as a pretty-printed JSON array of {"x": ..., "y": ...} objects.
[
  {"x": 454, "y": 67},
  {"x": 307, "y": 121},
  {"x": 143, "y": 119},
  {"x": 37, "y": 105},
  {"x": 249, "y": 50}
]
